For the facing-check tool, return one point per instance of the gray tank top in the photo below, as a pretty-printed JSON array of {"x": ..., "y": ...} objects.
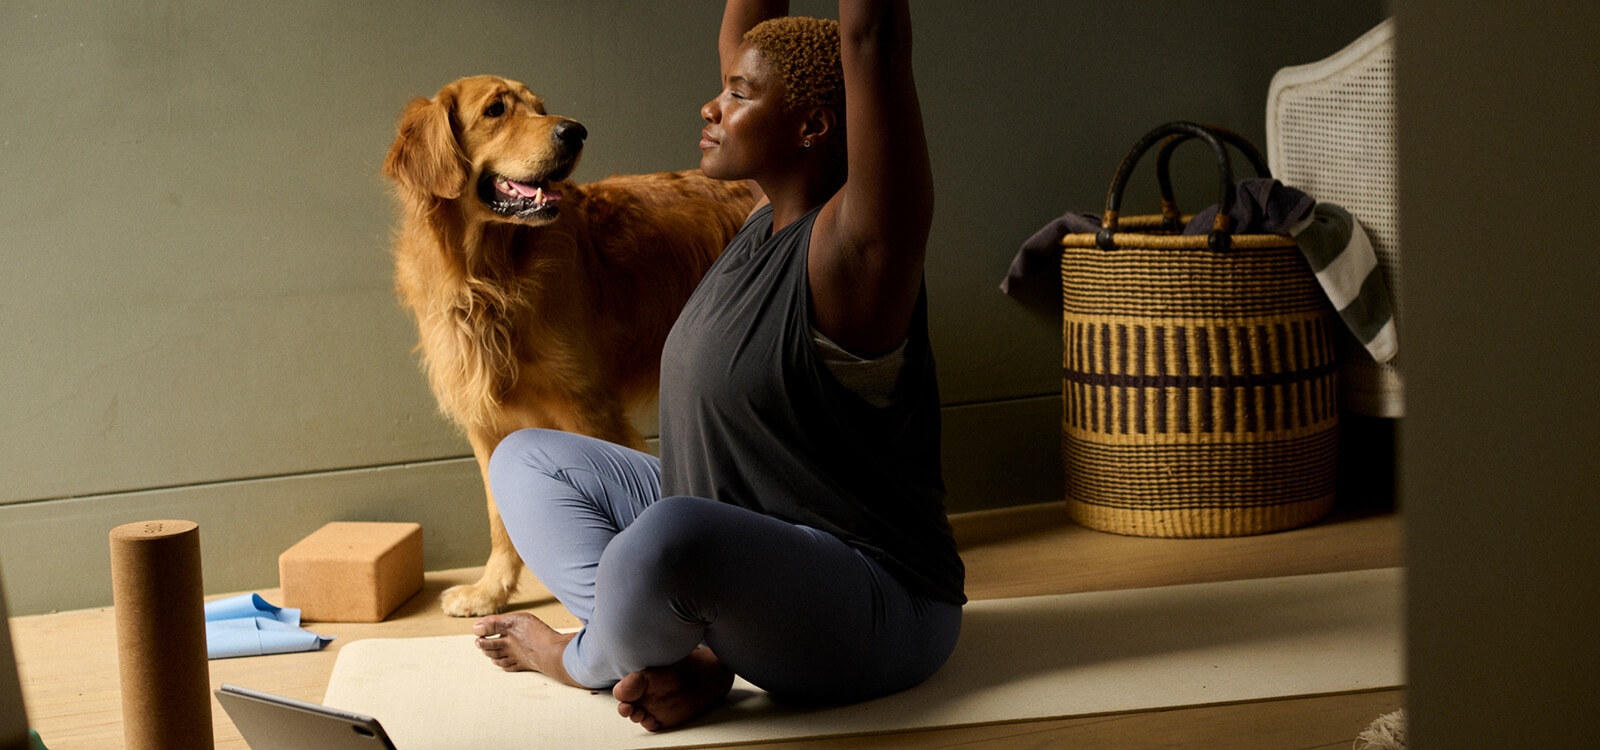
[{"x": 750, "y": 415}]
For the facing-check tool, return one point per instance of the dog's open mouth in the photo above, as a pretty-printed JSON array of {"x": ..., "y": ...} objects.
[{"x": 522, "y": 200}]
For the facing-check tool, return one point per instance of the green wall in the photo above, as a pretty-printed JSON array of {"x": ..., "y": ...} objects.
[{"x": 196, "y": 316}]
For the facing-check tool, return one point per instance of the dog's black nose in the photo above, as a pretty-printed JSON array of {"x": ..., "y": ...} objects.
[{"x": 570, "y": 134}]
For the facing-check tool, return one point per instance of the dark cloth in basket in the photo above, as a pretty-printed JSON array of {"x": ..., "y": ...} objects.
[
  {"x": 1035, "y": 275},
  {"x": 1261, "y": 205}
]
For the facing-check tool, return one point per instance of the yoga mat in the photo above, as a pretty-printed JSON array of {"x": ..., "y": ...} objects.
[{"x": 1017, "y": 659}]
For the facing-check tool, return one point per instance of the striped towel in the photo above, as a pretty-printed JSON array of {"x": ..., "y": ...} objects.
[
  {"x": 1341, "y": 254},
  {"x": 1335, "y": 245}
]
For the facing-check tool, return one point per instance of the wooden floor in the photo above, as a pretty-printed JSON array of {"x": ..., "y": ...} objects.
[{"x": 68, "y": 660}]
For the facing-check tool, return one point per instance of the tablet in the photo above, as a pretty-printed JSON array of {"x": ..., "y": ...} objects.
[{"x": 273, "y": 722}]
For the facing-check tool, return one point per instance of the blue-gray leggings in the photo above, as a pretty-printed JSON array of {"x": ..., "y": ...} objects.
[{"x": 793, "y": 610}]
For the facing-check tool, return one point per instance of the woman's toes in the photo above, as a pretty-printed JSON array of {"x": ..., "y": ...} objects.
[
  {"x": 630, "y": 688},
  {"x": 491, "y": 626}
]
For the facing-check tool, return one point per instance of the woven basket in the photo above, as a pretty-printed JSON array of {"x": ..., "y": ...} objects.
[{"x": 1198, "y": 373}]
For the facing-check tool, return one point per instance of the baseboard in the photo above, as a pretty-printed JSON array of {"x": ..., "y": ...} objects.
[{"x": 55, "y": 554}]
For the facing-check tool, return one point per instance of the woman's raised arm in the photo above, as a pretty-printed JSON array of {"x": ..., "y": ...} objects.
[
  {"x": 739, "y": 16},
  {"x": 870, "y": 240}
]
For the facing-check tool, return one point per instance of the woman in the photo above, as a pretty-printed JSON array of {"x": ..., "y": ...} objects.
[{"x": 793, "y": 531}]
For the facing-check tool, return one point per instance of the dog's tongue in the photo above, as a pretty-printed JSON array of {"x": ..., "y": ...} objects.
[
  {"x": 531, "y": 192},
  {"x": 523, "y": 189}
]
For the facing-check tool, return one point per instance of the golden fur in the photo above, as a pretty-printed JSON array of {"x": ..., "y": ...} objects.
[{"x": 550, "y": 312}]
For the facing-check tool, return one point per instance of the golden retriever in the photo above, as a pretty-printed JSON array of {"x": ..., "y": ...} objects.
[{"x": 539, "y": 302}]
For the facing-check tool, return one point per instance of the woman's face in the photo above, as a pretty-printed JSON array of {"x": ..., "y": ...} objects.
[{"x": 747, "y": 132}]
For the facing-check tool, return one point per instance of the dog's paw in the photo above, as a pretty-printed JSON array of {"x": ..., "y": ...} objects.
[{"x": 471, "y": 600}]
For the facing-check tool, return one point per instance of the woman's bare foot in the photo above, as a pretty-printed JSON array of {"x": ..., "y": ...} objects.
[
  {"x": 664, "y": 697},
  {"x": 519, "y": 642}
]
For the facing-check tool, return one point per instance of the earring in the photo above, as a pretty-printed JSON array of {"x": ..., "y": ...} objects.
[{"x": 806, "y": 144}]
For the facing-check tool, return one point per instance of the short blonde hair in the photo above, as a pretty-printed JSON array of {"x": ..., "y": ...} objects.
[{"x": 805, "y": 54}]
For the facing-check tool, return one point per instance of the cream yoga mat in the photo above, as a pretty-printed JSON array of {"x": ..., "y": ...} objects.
[{"x": 1027, "y": 658}]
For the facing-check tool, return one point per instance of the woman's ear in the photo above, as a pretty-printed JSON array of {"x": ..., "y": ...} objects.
[{"x": 819, "y": 125}]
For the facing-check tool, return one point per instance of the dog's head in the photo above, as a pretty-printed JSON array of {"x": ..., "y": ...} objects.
[{"x": 487, "y": 141}]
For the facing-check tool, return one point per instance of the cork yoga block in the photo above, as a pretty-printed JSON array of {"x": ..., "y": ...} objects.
[{"x": 352, "y": 571}]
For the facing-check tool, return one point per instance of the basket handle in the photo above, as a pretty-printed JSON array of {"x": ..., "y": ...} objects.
[
  {"x": 1171, "y": 217},
  {"x": 1219, "y": 238}
]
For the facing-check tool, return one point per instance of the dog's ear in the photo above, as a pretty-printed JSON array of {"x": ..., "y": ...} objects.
[{"x": 425, "y": 157}]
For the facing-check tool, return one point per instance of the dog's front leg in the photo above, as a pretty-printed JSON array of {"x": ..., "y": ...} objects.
[{"x": 500, "y": 574}]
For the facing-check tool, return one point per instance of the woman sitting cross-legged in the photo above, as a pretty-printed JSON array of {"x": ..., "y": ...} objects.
[{"x": 793, "y": 531}]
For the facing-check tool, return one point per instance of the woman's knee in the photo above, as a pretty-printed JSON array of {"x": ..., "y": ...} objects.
[
  {"x": 539, "y": 451},
  {"x": 677, "y": 535},
  {"x": 530, "y": 447}
]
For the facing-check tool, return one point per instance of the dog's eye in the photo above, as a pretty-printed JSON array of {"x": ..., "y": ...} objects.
[{"x": 495, "y": 110}]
